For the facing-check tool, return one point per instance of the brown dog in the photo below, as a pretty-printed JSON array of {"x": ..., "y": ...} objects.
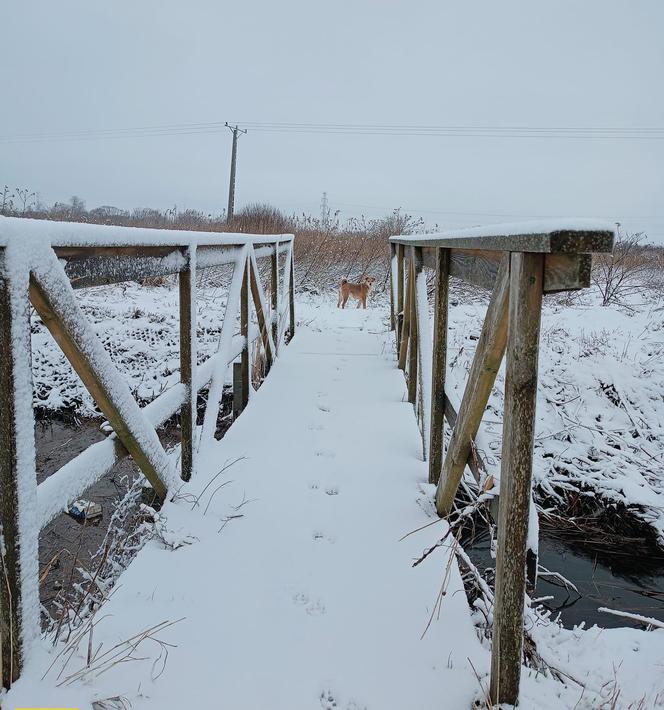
[{"x": 359, "y": 291}]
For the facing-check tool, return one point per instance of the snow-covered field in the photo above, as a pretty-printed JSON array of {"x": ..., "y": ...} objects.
[{"x": 309, "y": 600}]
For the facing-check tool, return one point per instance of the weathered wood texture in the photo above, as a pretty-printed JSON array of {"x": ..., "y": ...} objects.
[
  {"x": 10, "y": 589},
  {"x": 400, "y": 293},
  {"x": 421, "y": 332},
  {"x": 259, "y": 300},
  {"x": 405, "y": 325},
  {"x": 413, "y": 335},
  {"x": 439, "y": 365},
  {"x": 121, "y": 410},
  {"x": 274, "y": 295},
  {"x": 562, "y": 272},
  {"x": 483, "y": 371},
  {"x": 558, "y": 241},
  {"x": 244, "y": 332},
  {"x": 525, "y": 303},
  {"x": 187, "y": 281},
  {"x": 291, "y": 296},
  {"x": 393, "y": 256}
]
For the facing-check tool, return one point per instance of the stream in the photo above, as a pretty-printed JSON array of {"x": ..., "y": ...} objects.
[{"x": 617, "y": 579}]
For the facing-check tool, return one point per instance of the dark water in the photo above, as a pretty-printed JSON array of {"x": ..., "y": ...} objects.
[
  {"x": 621, "y": 579},
  {"x": 65, "y": 544}
]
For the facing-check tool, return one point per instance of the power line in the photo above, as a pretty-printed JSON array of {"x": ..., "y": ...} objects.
[{"x": 469, "y": 131}]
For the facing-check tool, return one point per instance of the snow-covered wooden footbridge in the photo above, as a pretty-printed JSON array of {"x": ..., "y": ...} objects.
[{"x": 278, "y": 576}]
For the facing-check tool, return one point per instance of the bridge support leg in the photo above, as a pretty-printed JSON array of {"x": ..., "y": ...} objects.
[
  {"x": 274, "y": 283},
  {"x": 19, "y": 605},
  {"x": 525, "y": 303},
  {"x": 400, "y": 292},
  {"x": 188, "y": 411},
  {"x": 439, "y": 364},
  {"x": 244, "y": 331},
  {"x": 291, "y": 295},
  {"x": 413, "y": 334}
]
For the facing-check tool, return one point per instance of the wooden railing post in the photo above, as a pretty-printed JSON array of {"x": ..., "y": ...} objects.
[
  {"x": 413, "y": 335},
  {"x": 439, "y": 364},
  {"x": 393, "y": 257},
  {"x": 400, "y": 292},
  {"x": 405, "y": 325},
  {"x": 188, "y": 411},
  {"x": 291, "y": 292},
  {"x": 18, "y": 481},
  {"x": 274, "y": 283},
  {"x": 525, "y": 304},
  {"x": 244, "y": 332}
]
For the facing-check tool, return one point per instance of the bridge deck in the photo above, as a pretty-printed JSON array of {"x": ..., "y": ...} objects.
[{"x": 309, "y": 599}]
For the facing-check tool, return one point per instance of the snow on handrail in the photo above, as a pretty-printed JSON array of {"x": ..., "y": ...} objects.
[
  {"x": 550, "y": 236},
  {"x": 75, "y": 234}
]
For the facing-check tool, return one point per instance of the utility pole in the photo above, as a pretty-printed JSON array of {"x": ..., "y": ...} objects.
[{"x": 236, "y": 131}]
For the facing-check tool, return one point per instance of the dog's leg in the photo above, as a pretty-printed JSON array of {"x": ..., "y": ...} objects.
[
  {"x": 339, "y": 299},
  {"x": 345, "y": 300}
]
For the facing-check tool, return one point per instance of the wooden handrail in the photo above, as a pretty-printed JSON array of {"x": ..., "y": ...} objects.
[
  {"x": 41, "y": 263},
  {"x": 519, "y": 264}
]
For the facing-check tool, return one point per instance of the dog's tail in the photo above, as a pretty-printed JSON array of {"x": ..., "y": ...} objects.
[{"x": 344, "y": 281}]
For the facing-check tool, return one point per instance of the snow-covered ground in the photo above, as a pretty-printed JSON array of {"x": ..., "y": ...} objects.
[
  {"x": 289, "y": 587},
  {"x": 600, "y": 402}
]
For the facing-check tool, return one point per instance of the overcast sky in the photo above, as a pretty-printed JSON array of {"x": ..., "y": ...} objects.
[{"x": 82, "y": 65}]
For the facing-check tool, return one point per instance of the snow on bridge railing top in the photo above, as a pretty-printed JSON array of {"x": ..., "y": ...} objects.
[
  {"x": 548, "y": 237},
  {"x": 75, "y": 234}
]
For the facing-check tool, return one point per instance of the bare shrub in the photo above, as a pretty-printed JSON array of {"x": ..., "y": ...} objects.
[{"x": 632, "y": 268}]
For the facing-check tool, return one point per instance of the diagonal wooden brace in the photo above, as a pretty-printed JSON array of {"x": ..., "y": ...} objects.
[
  {"x": 486, "y": 363},
  {"x": 53, "y": 298}
]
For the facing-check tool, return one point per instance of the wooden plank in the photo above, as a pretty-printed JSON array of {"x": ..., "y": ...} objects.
[
  {"x": 237, "y": 389},
  {"x": 562, "y": 272},
  {"x": 244, "y": 332},
  {"x": 86, "y": 252},
  {"x": 421, "y": 331},
  {"x": 187, "y": 284},
  {"x": 109, "y": 269},
  {"x": 76, "y": 339},
  {"x": 439, "y": 365},
  {"x": 483, "y": 371},
  {"x": 10, "y": 589},
  {"x": 405, "y": 325},
  {"x": 413, "y": 335},
  {"x": 566, "y": 272},
  {"x": 291, "y": 294},
  {"x": 393, "y": 256},
  {"x": 525, "y": 305},
  {"x": 274, "y": 286},
  {"x": 400, "y": 292},
  {"x": 566, "y": 241}
]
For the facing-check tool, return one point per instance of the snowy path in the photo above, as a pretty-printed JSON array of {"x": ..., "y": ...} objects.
[{"x": 309, "y": 600}]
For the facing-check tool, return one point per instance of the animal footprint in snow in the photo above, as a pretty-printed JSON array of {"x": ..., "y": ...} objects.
[
  {"x": 327, "y": 700},
  {"x": 319, "y": 536},
  {"x": 332, "y": 490},
  {"x": 315, "y": 608},
  {"x": 315, "y": 427},
  {"x": 300, "y": 599},
  {"x": 314, "y": 485},
  {"x": 323, "y": 407},
  {"x": 326, "y": 454}
]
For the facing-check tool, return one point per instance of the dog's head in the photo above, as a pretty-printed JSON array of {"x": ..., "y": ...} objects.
[{"x": 369, "y": 281}]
